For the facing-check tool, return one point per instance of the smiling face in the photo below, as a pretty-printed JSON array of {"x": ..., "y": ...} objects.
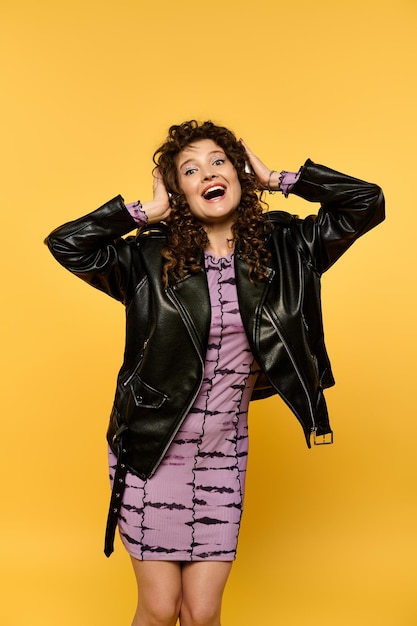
[{"x": 209, "y": 182}]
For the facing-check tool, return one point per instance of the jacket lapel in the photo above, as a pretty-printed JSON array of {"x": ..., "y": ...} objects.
[
  {"x": 191, "y": 296},
  {"x": 251, "y": 296}
]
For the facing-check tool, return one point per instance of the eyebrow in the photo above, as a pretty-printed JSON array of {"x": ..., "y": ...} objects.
[{"x": 220, "y": 151}]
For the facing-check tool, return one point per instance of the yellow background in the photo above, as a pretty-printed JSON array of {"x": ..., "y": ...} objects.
[{"x": 89, "y": 89}]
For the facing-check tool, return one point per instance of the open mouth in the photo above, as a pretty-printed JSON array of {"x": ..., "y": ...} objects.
[{"x": 214, "y": 192}]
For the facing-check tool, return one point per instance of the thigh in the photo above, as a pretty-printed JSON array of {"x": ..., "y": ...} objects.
[
  {"x": 159, "y": 587},
  {"x": 203, "y": 583}
]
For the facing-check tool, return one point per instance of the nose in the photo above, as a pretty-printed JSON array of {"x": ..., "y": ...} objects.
[{"x": 208, "y": 174}]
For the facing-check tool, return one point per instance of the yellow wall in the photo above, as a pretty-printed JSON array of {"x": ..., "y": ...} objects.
[{"x": 89, "y": 88}]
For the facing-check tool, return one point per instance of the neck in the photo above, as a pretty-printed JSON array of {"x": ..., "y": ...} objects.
[{"x": 221, "y": 242}]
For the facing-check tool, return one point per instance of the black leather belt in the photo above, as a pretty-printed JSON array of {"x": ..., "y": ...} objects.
[{"x": 119, "y": 484}]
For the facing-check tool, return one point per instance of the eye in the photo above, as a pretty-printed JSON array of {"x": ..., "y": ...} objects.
[
  {"x": 190, "y": 170},
  {"x": 219, "y": 161}
]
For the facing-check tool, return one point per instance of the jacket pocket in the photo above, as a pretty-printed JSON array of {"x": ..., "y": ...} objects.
[
  {"x": 144, "y": 395},
  {"x": 126, "y": 380}
]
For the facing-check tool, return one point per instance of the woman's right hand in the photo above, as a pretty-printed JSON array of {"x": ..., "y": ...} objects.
[
  {"x": 267, "y": 178},
  {"x": 157, "y": 209}
]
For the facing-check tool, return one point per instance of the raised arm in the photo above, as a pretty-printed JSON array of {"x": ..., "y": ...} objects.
[
  {"x": 349, "y": 207},
  {"x": 93, "y": 248}
]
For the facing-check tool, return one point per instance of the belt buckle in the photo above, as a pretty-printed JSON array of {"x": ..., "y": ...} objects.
[{"x": 322, "y": 440}]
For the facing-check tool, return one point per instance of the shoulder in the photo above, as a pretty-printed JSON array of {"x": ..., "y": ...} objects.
[
  {"x": 281, "y": 218},
  {"x": 287, "y": 229},
  {"x": 154, "y": 232}
]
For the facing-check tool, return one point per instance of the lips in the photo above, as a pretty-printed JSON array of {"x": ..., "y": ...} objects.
[{"x": 213, "y": 192}]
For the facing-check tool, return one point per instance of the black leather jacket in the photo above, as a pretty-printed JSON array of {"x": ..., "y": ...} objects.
[{"x": 167, "y": 329}]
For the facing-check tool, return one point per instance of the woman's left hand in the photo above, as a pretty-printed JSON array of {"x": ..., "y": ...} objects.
[
  {"x": 268, "y": 179},
  {"x": 159, "y": 208}
]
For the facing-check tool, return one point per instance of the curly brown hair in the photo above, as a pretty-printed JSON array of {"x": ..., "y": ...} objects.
[{"x": 187, "y": 235}]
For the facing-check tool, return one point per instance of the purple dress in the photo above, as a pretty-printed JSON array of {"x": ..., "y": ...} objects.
[{"x": 190, "y": 510}]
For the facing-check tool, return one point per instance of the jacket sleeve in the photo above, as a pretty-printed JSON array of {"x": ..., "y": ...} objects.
[
  {"x": 92, "y": 248},
  {"x": 349, "y": 208}
]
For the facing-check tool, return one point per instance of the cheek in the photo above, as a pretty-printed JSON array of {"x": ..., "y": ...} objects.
[
  {"x": 184, "y": 185},
  {"x": 237, "y": 189},
  {"x": 236, "y": 182},
  {"x": 190, "y": 197},
  {"x": 189, "y": 191}
]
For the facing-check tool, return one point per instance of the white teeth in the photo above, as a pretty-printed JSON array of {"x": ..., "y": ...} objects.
[{"x": 213, "y": 191}]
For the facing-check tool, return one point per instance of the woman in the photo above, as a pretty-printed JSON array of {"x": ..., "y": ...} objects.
[{"x": 223, "y": 306}]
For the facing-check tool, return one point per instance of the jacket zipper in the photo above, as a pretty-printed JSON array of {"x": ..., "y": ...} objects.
[
  {"x": 295, "y": 367},
  {"x": 197, "y": 344},
  {"x": 135, "y": 369}
]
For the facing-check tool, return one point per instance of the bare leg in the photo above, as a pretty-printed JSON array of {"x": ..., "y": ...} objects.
[
  {"x": 203, "y": 584},
  {"x": 159, "y": 592}
]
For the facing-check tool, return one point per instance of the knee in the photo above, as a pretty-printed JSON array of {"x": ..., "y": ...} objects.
[
  {"x": 199, "y": 613},
  {"x": 159, "y": 612}
]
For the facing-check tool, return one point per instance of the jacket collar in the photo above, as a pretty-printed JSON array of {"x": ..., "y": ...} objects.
[{"x": 192, "y": 295}]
